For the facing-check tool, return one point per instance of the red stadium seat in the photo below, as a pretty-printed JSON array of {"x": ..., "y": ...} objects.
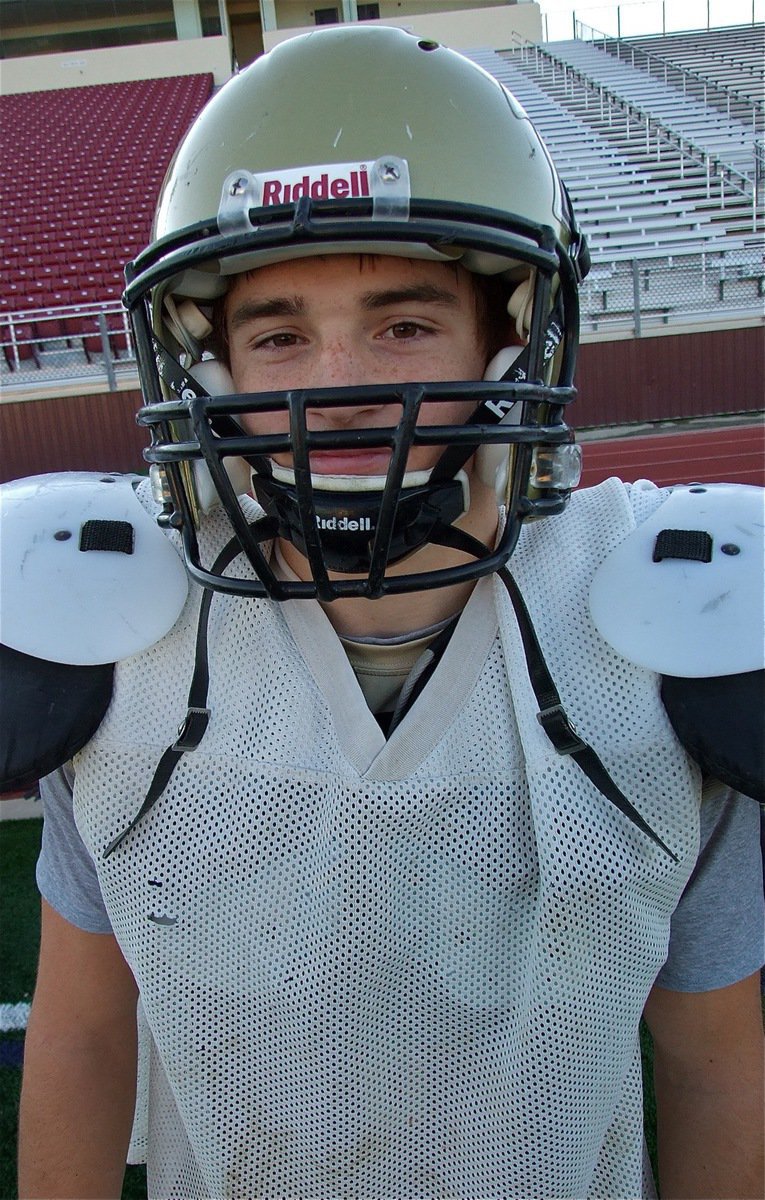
[{"x": 94, "y": 213}]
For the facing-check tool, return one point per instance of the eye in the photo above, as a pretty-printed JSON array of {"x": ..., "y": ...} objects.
[
  {"x": 404, "y": 330},
  {"x": 275, "y": 341}
]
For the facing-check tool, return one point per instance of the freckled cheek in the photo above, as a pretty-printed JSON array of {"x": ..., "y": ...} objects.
[
  {"x": 455, "y": 413},
  {"x": 259, "y": 424},
  {"x": 424, "y": 457}
]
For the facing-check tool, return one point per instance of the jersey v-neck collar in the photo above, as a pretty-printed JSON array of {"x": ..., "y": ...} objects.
[{"x": 358, "y": 732}]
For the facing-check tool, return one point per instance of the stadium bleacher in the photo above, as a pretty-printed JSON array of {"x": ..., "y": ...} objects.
[
  {"x": 648, "y": 169},
  {"x": 728, "y": 138},
  {"x": 731, "y": 58},
  {"x": 675, "y": 237},
  {"x": 663, "y": 183},
  {"x": 82, "y": 168}
]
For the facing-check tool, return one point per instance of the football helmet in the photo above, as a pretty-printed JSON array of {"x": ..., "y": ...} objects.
[{"x": 357, "y": 140}]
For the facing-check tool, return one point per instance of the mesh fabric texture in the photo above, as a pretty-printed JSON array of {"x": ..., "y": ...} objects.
[{"x": 410, "y": 969}]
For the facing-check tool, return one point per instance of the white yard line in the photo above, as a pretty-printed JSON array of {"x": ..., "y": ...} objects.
[{"x": 14, "y": 1016}]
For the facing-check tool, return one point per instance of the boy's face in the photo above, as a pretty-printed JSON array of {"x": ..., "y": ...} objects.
[{"x": 346, "y": 320}]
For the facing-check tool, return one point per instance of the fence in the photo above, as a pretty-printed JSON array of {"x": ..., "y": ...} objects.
[
  {"x": 63, "y": 346},
  {"x": 639, "y": 295},
  {"x": 632, "y": 19}
]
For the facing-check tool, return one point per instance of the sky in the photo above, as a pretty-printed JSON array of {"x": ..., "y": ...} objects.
[{"x": 648, "y": 16}]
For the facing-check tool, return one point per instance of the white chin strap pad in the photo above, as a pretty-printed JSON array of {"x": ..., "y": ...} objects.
[
  {"x": 349, "y": 483},
  {"x": 217, "y": 381},
  {"x": 368, "y": 483}
]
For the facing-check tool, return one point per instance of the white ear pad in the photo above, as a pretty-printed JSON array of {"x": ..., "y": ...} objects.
[
  {"x": 500, "y": 364},
  {"x": 492, "y": 462},
  {"x": 187, "y": 323},
  {"x": 521, "y": 303},
  {"x": 214, "y": 377},
  {"x": 217, "y": 381}
]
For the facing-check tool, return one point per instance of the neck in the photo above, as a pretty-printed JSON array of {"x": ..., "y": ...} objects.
[
  {"x": 394, "y": 615},
  {"x": 390, "y": 616}
]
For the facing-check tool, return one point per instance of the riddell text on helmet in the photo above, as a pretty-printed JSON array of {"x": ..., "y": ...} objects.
[{"x": 320, "y": 183}]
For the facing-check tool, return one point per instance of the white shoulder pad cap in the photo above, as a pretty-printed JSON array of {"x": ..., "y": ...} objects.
[
  {"x": 662, "y": 606},
  {"x": 87, "y": 575}
]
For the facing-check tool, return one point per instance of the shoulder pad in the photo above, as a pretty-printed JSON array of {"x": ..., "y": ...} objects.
[
  {"x": 48, "y": 711},
  {"x": 88, "y": 576},
  {"x": 683, "y": 594},
  {"x": 720, "y": 723}
]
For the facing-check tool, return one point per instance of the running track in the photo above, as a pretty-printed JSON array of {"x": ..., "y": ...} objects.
[{"x": 728, "y": 454}]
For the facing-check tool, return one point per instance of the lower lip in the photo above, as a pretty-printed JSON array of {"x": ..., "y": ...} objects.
[{"x": 354, "y": 462}]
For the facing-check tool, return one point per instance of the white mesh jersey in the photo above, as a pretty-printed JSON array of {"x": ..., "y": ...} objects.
[{"x": 402, "y": 970}]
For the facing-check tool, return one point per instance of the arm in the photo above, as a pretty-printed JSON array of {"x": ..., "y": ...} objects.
[
  {"x": 78, "y": 1090},
  {"x": 710, "y": 1085}
]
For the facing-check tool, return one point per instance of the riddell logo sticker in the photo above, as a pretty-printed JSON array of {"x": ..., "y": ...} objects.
[
  {"x": 345, "y": 524},
  {"x": 335, "y": 182}
]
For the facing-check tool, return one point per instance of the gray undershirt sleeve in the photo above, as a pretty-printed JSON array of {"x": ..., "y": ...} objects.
[
  {"x": 718, "y": 928},
  {"x": 66, "y": 874}
]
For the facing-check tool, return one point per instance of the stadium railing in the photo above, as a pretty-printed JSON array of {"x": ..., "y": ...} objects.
[{"x": 638, "y": 295}]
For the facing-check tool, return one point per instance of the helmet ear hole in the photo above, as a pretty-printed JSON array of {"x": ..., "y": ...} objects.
[
  {"x": 520, "y": 304},
  {"x": 187, "y": 323}
]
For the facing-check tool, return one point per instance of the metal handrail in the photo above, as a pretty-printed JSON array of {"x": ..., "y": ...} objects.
[
  {"x": 614, "y": 297},
  {"x": 692, "y": 80},
  {"x": 713, "y": 166},
  {"x": 30, "y": 333}
]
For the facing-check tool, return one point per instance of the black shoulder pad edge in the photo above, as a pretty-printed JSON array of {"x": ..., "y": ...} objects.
[
  {"x": 720, "y": 721},
  {"x": 48, "y": 711}
]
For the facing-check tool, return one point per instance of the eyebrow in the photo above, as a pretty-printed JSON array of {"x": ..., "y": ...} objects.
[
  {"x": 294, "y": 306},
  {"x": 278, "y": 306},
  {"x": 420, "y": 293}
]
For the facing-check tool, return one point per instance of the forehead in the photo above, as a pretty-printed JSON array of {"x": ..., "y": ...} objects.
[{"x": 344, "y": 275}]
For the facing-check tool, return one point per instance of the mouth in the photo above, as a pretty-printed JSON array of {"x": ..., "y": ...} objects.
[{"x": 349, "y": 462}]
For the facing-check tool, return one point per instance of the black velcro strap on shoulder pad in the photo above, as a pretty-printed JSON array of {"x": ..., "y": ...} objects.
[
  {"x": 721, "y": 723},
  {"x": 48, "y": 711},
  {"x": 107, "y": 535},
  {"x": 694, "y": 545}
]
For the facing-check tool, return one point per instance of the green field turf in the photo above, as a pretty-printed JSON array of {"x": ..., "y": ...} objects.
[{"x": 20, "y": 929}]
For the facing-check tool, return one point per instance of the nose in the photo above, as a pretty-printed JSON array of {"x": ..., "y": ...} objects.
[{"x": 341, "y": 365}]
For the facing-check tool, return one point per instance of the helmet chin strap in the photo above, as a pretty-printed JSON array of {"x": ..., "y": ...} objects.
[
  {"x": 347, "y": 508},
  {"x": 347, "y": 515}
]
